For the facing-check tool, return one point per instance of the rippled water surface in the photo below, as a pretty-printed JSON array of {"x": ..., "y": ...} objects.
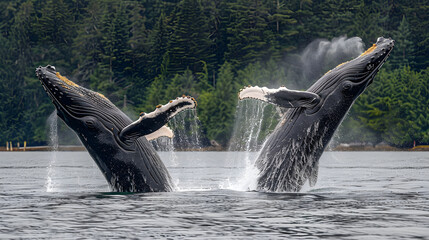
[{"x": 359, "y": 195}]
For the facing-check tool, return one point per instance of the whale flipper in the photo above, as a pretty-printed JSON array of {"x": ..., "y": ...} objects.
[
  {"x": 164, "y": 131},
  {"x": 149, "y": 123},
  {"x": 282, "y": 96}
]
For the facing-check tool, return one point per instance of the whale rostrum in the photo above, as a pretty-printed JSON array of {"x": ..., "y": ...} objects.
[
  {"x": 118, "y": 145},
  {"x": 290, "y": 155}
]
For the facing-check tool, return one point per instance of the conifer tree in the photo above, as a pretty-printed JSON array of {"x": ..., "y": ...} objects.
[
  {"x": 54, "y": 24},
  {"x": 402, "y": 56},
  {"x": 155, "y": 94},
  {"x": 216, "y": 109},
  {"x": 248, "y": 38},
  {"x": 367, "y": 23},
  {"x": 182, "y": 84},
  {"x": 87, "y": 43},
  {"x": 22, "y": 29},
  {"x": 281, "y": 21},
  {"x": 158, "y": 50},
  {"x": 189, "y": 45}
]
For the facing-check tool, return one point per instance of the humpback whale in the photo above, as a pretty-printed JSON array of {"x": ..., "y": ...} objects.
[
  {"x": 119, "y": 146},
  {"x": 290, "y": 155}
]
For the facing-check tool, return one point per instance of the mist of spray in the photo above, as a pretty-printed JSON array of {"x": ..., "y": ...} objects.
[
  {"x": 53, "y": 142},
  {"x": 320, "y": 56}
]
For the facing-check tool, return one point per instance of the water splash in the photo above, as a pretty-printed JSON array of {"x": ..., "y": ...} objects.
[
  {"x": 165, "y": 144},
  {"x": 187, "y": 136},
  {"x": 254, "y": 121},
  {"x": 53, "y": 142},
  {"x": 187, "y": 131}
]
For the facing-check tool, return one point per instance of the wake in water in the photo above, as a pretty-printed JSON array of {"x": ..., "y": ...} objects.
[{"x": 53, "y": 141}]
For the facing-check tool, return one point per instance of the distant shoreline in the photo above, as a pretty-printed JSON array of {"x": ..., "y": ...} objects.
[
  {"x": 385, "y": 148},
  {"x": 339, "y": 148}
]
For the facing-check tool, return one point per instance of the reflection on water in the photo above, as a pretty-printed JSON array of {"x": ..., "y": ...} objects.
[{"x": 362, "y": 195}]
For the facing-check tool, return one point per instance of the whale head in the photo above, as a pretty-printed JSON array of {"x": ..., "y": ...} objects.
[
  {"x": 91, "y": 115},
  {"x": 349, "y": 79},
  {"x": 85, "y": 111}
]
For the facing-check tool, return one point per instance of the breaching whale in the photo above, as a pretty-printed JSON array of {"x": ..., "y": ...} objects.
[
  {"x": 118, "y": 145},
  {"x": 290, "y": 155}
]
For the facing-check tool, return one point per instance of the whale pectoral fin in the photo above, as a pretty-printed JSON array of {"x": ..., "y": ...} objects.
[
  {"x": 164, "y": 131},
  {"x": 150, "y": 122},
  {"x": 282, "y": 96}
]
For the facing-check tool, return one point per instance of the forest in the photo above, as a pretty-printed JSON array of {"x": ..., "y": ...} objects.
[{"x": 143, "y": 53}]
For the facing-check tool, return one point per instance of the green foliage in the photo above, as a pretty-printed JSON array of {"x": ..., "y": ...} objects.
[
  {"x": 403, "y": 44},
  {"x": 248, "y": 33},
  {"x": 395, "y": 109},
  {"x": 216, "y": 108},
  {"x": 189, "y": 45},
  {"x": 144, "y": 53},
  {"x": 258, "y": 74}
]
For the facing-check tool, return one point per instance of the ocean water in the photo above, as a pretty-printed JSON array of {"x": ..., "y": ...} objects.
[{"x": 359, "y": 195}]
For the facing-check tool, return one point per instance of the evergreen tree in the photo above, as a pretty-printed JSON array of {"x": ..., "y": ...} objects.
[
  {"x": 22, "y": 28},
  {"x": 155, "y": 94},
  {"x": 87, "y": 43},
  {"x": 110, "y": 76},
  {"x": 367, "y": 23},
  {"x": 248, "y": 36},
  {"x": 54, "y": 24},
  {"x": 218, "y": 13},
  {"x": 182, "y": 84},
  {"x": 158, "y": 41},
  {"x": 396, "y": 107},
  {"x": 418, "y": 18},
  {"x": 138, "y": 41},
  {"x": 403, "y": 54},
  {"x": 216, "y": 108},
  {"x": 281, "y": 24},
  {"x": 189, "y": 46},
  {"x": 262, "y": 74}
]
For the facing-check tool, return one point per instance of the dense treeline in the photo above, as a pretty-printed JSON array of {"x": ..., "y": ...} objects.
[{"x": 143, "y": 53}]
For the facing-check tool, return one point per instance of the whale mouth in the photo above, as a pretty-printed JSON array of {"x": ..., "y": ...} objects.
[
  {"x": 67, "y": 97},
  {"x": 50, "y": 85},
  {"x": 377, "y": 60},
  {"x": 377, "y": 55},
  {"x": 364, "y": 68}
]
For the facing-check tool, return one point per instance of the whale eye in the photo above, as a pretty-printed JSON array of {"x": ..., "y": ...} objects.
[
  {"x": 347, "y": 86},
  {"x": 90, "y": 124},
  {"x": 369, "y": 67}
]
